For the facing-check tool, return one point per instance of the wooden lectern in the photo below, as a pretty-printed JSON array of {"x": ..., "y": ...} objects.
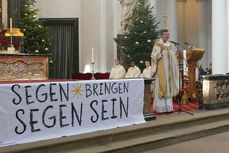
[{"x": 193, "y": 56}]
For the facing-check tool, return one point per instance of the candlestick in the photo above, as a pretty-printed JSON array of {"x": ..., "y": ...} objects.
[
  {"x": 93, "y": 71},
  {"x": 11, "y": 26},
  {"x": 185, "y": 68},
  {"x": 92, "y": 55}
]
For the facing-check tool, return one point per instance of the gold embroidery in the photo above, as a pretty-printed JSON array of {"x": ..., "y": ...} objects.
[
  {"x": 161, "y": 45},
  {"x": 23, "y": 68},
  {"x": 169, "y": 71},
  {"x": 162, "y": 78}
]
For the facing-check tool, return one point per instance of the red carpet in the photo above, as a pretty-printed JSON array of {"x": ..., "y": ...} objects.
[{"x": 187, "y": 107}]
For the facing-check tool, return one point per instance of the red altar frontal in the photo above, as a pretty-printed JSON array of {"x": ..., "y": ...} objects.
[{"x": 23, "y": 67}]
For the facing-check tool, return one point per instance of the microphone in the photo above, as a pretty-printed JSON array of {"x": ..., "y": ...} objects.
[
  {"x": 176, "y": 43},
  {"x": 189, "y": 45},
  {"x": 186, "y": 43}
]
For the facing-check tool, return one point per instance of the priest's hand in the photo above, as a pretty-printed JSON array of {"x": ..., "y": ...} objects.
[
  {"x": 180, "y": 49},
  {"x": 179, "y": 52},
  {"x": 162, "y": 48}
]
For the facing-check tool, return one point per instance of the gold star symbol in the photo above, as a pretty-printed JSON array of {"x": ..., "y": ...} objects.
[{"x": 77, "y": 91}]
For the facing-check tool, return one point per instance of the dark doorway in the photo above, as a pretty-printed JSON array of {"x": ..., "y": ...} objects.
[{"x": 64, "y": 34}]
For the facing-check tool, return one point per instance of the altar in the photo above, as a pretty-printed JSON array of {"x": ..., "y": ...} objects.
[
  {"x": 215, "y": 92},
  {"x": 23, "y": 67}
]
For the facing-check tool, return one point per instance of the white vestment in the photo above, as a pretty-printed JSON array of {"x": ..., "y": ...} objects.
[
  {"x": 147, "y": 73},
  {"x": 133, "y": 72},
  {"x": 165, "y": 68},
  {"x": 118, "y": 72}
]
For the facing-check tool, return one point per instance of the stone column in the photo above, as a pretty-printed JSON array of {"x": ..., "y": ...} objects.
[
  {"x": 219, "y": 37},
  {"x": 153, "y": 3},
  {"x": 117, "y": 24},
  {"x": 4, "y": 13},
  {"x": 227, "y": 51},
  {"x": 14, "y": 11},
  {"x": 102, "y": 36}
]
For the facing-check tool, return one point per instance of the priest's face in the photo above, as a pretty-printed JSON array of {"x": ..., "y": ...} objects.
[
  {"x": 147, "y": 64},
  {"x": 165, "y": 36},
  {"x": 116, "y": 62},
  {"x": 132, "y": 64}
]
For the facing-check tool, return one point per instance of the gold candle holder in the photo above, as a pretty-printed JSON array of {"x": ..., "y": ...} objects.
[{"x": 184, "y": 99}]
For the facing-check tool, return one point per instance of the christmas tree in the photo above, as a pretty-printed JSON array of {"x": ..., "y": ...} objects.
[
  {"x": 36, "y": 40},
  {"x": 137, "y": 43}
]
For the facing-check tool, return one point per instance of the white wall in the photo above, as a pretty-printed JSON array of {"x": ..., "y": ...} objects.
[
  {"x": 96, "y": 22},
  {"x": 59, "y": 8},
  {"x": 63, "y": 9},
  {"x": 98, "y": 31}
]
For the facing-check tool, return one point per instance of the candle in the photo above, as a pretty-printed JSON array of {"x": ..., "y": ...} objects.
[
  {"x": 11, "y": 26},
  {"x": 185, "y": 68},
  {"x": 92, "y": 55}
]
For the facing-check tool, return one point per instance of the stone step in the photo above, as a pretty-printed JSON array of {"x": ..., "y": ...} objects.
[
  {"x": 120, "y": 137},
  {"x": 158, "y": 140}
]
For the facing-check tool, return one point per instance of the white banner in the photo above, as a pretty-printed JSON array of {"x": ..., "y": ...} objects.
[{"x": 39, "y": 111}]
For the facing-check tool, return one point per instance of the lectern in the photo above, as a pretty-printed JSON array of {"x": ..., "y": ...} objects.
[{"x": 193, "y": 56}]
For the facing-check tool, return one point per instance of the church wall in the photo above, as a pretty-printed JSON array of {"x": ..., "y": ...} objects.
[
  {"x": 62, "y": 9},
  {"x": 194, "y": 26},
  {"x": 97, "y": 29},
  {"x": 59, "y": 8},
  {"x": 171, "y": 10},
  {"x": 117, "y": 25},
  {"x": 4, "y": 13},
  {"x": 96, "y": 19},
  {"x": 100, "y": 19},
  {"x": 110, "y": 35}
]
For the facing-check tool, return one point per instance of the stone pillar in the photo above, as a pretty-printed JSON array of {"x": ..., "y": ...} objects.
[
  {"x": 103, "y": 37},
  {"x": 153, "y": 3},
  {"x": 4, "y": 13},
  {"x": 14, "y": 11},
  {"x": 219, "y": 37},
  {"x": 227, "y": 51},
  {"x": 117, "y": 24}
]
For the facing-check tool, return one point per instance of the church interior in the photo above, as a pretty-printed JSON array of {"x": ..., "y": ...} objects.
[
  {"x": 107, "y": 62},
  {"x": 96, "y": 24}
]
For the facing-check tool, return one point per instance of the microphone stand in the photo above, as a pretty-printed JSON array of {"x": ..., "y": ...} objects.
[{"x": 180, "y": 67}]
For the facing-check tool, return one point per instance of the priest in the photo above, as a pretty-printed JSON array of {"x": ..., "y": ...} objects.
[
  {"x": 133, "y": 71},
  {"x": 147, "y": 72},
  {"x": 166, "y": 71},
  {"x": 118, "y": 71}
]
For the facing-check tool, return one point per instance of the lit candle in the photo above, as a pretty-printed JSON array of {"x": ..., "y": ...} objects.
[
  {"x": 185, "y": 68},
  {"x": 92, "y": 55},
  {"x": 11, "y": 26}
]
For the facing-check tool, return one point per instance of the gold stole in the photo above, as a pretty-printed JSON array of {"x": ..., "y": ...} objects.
[{"x": 162, "y": 78}]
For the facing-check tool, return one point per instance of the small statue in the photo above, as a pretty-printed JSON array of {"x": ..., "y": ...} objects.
[{"x": 127, "y": 12}]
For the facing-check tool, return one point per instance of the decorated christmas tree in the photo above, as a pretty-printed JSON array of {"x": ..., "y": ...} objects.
[
  {"x": 36, "y": 40},
  {"x": 136, "y": 44}
]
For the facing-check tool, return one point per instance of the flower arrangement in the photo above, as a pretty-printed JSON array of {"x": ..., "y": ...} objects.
[{"x": 4, "y": 42}]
